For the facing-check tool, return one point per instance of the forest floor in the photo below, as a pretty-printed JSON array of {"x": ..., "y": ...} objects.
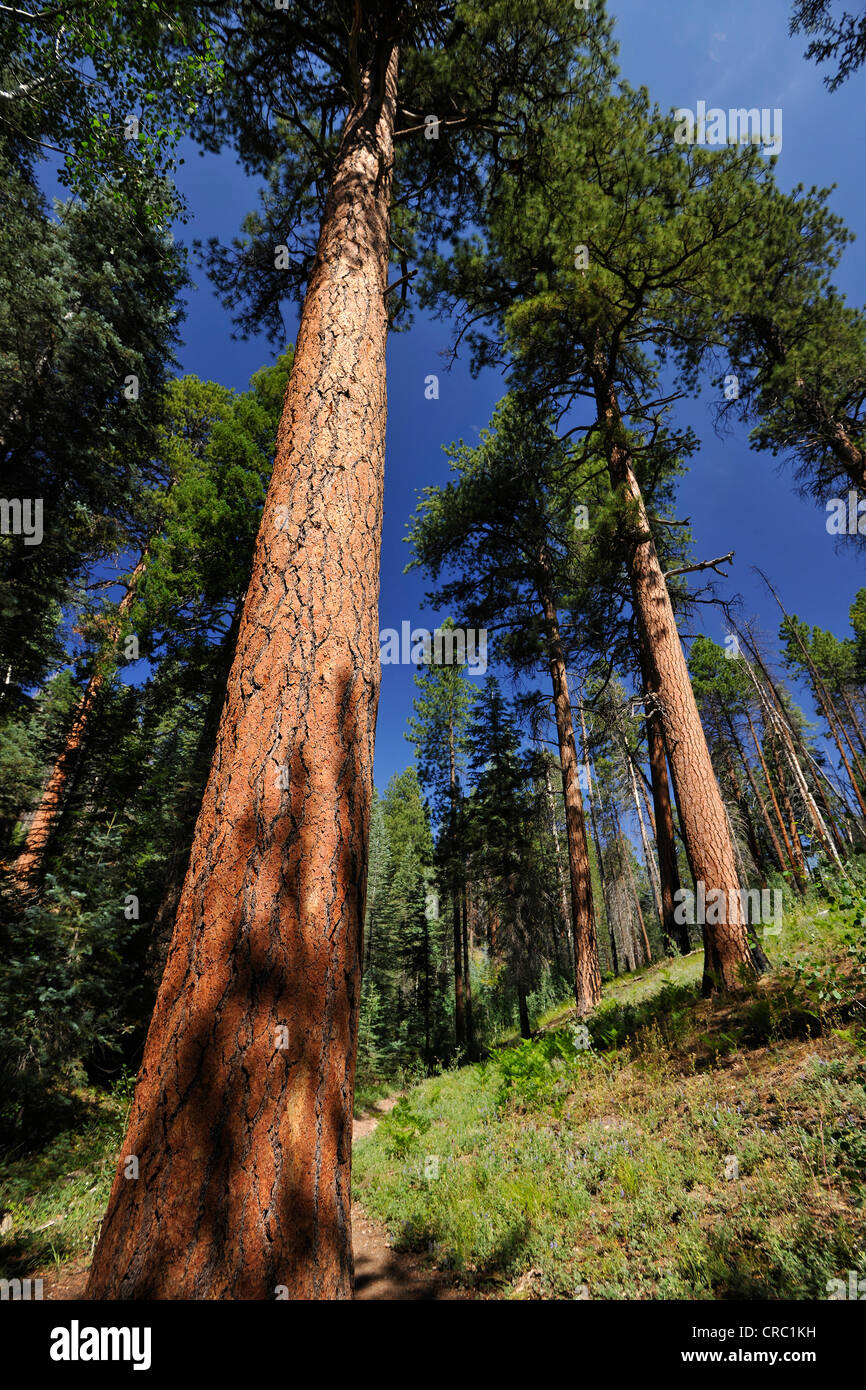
[
  {"x": 695, "y": 1149},
  {"x": 381, "y": 1273}
]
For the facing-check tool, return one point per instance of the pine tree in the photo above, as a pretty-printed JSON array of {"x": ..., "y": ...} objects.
[
  {"x": 439, "y": 733},
  {"x": 840, "y": 39},
  {"x": 500, "y": 828},
  {"x": 88, "y": 323},
  {"x": 273, "y": 903},
  {"x": 614, "y": 243},
  {"x": 506, "y": 526}
]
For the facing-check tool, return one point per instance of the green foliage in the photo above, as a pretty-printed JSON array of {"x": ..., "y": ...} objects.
[
  {"x": 88, "y": 300},
  {"x": 605, "y": 1172},
  {"x": 502, "y": 70},
  {"x": 77, "y": 980},
  {"x": 70, "y": 992},
  {"x": 402, "y": 996},
  {"x": 403, "y": 1129},
  {"x": 537, "y": 1070},
  {"x": 840, "y": 39},
  {"x": 72, "y": 76},
  {"x": 54, "y": 1196}
]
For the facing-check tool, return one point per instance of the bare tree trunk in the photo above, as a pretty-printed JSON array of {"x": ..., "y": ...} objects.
[
  {"x": 242, "y": 1119},
  {"x": 563, "y": 932},
  {"x": 28, "y": 866},
  {"x": 727, "y": 956},
  {"x": 822, "y": 698},
  {"x": 625, "y": 850},
  {"x": 852, "y": 715},
  {"x": 669, "y": 870},
  {"x": 795, "y": 859},
  {"x": 649, "y": 858},
  {"x": 749, "y": 825},
  {"x": 525, "y": 1029},
  {"x": 778, "y": 715},
  {"x": 761, "y": 804},
  {"x": 779, "y": 718},
  {"x": 787, "y": 804},
  {"x": 599, "y": 857},
  {"x": 587, "y": 971}
]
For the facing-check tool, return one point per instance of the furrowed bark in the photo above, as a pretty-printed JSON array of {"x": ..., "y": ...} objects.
[
  {"x": 242, "y": 1116},
  {"x": 28, "y": 866},
  {"x": 727, "y": 957}
]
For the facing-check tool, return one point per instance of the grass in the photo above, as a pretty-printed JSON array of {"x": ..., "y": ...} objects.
[
  {"x": 52, "y": 1201},
  {"x": 693, "y": 1151}
]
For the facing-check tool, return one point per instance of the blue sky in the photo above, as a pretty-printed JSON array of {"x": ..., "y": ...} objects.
[{"x": 737, "y": 55}]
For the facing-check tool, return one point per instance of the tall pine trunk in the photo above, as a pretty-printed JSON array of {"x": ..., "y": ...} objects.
[
  {"x": 29, "y": 864},
  {"x": 649, "y": 860},
  {"x": 727, "y": 956},
  {"x": 587, "y": 971},
  {"x": 599, "y": 857},
  {"x": 467, "y": 979},
  {"x": 242, "y": 1117},
  {"x": 561, "y": 929},
  {"x": 669, "y": 869}
]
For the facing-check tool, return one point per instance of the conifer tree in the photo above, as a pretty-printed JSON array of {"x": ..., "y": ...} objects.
[
  {"x": 611, "y": 245},
  {"x": 333, "y": 102}
]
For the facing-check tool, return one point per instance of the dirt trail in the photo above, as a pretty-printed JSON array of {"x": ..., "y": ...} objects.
[{"x": 380, "y": 1272}]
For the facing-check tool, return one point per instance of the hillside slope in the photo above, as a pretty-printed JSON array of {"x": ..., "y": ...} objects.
[{"x": 693, "y": 1151}]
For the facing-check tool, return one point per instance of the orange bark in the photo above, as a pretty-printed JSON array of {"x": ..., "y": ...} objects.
[
  {"x": 28, "y": 865},
  {"x": 242, "y": 1117},
  {"x": 727, "y": 956}
]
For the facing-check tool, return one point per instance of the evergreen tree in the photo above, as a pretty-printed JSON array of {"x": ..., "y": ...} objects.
[
  {"x": 279, "y": 862},
  {"x": 439, "y": 733},
  {"x": 840, "y": 39},
  {"x": 88, "y": 324},
  {"x": 612, "y": 244}
]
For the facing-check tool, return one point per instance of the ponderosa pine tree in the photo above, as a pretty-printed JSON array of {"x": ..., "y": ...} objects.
[
  {"x": 835, "y": 662},
  {"x": 836, "y": 38},
  {"x": 507, "y": 527},
  {"x": 725, "y": 695},
  {"x": 88, "y": 325},
  {"x": 593, "y": 271},
  {"x": 28, "y": 865},
  {"x": 267, "y": 939},
  {"x": 795, "y": 349},
  {"x": 801, "y": 646},
  {"x": 439, "y": 733}
]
